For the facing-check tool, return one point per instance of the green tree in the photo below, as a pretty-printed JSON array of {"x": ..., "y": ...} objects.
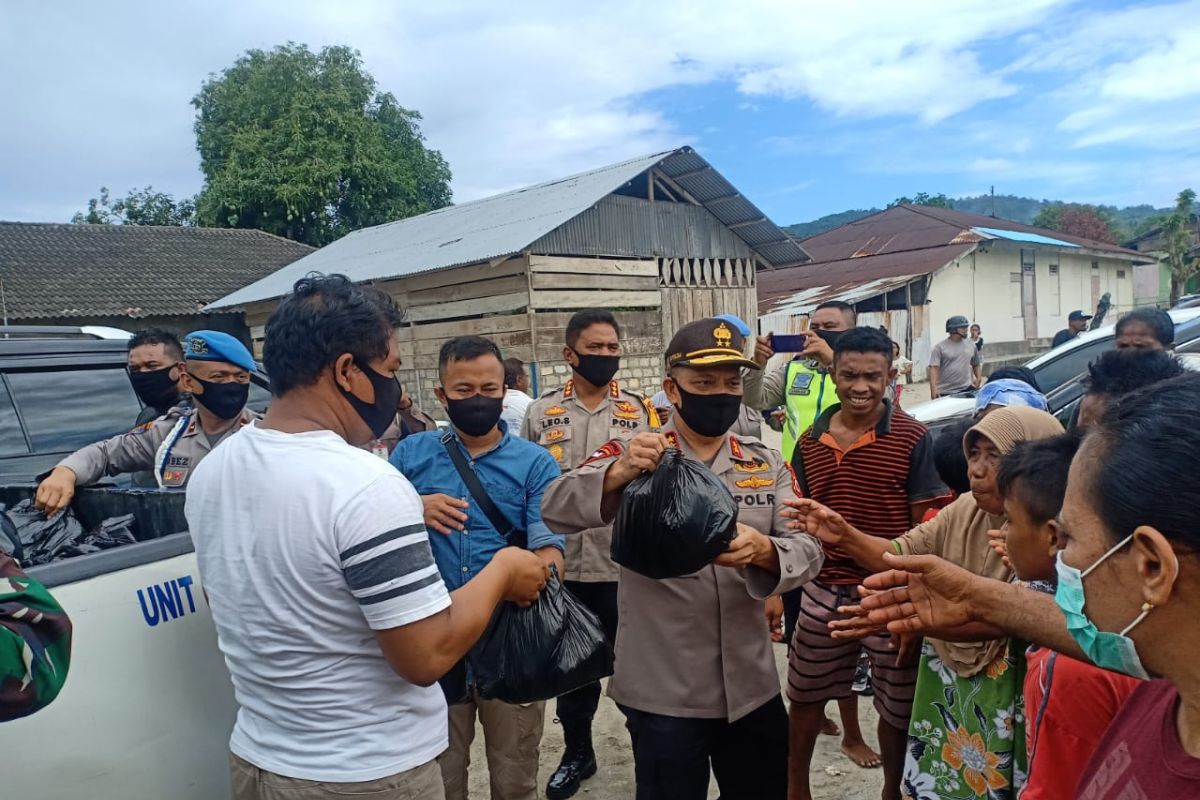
[
  {"x": 139, "y": 207},
  {"x": 938, "y": 200},
  {"x": 1179, "y": 242},
  {"x": 301, "y": 144}
]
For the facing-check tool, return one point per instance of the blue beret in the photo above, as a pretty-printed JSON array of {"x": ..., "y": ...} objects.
[
  {"x": 737, "y": 322},
  {"x": 217, "y": 346}
]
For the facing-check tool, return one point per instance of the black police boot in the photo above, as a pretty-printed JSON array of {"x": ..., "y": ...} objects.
[{"x": 578, "y": 761}]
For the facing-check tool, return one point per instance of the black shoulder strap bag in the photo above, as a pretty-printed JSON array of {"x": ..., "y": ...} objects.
[{"x": 454, "y": 683}]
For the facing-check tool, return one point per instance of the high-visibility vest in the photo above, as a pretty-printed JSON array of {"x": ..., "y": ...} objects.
[{"x": 808, "y": 391}]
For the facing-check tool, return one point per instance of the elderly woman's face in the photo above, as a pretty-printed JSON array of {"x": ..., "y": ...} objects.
[{"x": 983, "y": 461}]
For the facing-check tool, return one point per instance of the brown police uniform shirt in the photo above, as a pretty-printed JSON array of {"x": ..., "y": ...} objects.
[
  {"x": 698, "y": 646},
  {"x": 559, "y": 422},
  {"x": 416, "y": 420},
  {"x": 170, "y": 447}
]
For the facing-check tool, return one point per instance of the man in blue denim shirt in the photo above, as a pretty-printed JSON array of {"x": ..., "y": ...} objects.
[{"x": 515, "y": 473}]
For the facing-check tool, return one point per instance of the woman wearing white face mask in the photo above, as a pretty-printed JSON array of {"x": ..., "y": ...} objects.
[{"x": 1128, "y": 595}]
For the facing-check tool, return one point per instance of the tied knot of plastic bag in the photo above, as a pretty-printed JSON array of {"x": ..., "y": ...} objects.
[
  {"x": 550, "y": 648},
  {"x": 673, "y": 521}
]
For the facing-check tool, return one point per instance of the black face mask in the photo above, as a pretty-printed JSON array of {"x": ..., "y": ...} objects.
[
  {"x": 709, "y": 414},
  {"x": 830, "y": 337},
  {"x": 475, "y": 415},
  {"x": 224, "y": 400},
  {"x": 379, "y": 414},
  {"x": 156, "y": 388},
  {"x": 597, "y": 370}
]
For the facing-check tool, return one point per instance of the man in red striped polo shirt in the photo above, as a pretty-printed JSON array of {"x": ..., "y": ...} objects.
[{"x": 873, "y": 464}]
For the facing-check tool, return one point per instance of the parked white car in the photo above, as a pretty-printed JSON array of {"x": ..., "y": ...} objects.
[{"x": 1059, "y": 367}]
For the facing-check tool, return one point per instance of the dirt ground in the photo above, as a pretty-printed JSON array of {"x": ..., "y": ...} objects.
[{"x": 834, "y": 777}]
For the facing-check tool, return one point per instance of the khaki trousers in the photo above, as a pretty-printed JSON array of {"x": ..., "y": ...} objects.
[
  {"x": 251, "y": 783},
  {"x": 512, "y": 736}
]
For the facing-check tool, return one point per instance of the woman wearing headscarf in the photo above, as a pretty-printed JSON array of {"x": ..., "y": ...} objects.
[
  {"x": 966, "y": 735},
  {"x": 1128, "y": 591}
]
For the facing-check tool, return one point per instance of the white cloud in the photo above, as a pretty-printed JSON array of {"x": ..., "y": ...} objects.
[
  {"x": 1127, "y": 76},
  {"x": 518, "y": 93},
  {"x": 510, "y": 93}
]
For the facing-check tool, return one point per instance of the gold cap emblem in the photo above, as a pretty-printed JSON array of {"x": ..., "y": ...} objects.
[{"x": 722, "y": 335}]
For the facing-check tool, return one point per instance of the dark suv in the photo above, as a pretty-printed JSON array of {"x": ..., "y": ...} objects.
[{"x": 64, "y": 388}]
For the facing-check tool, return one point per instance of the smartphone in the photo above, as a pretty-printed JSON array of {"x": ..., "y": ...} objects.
[{"x": 788, "y": 342}]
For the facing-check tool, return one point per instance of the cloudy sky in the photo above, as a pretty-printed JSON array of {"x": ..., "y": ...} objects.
[{"x": 808, "y": 107}]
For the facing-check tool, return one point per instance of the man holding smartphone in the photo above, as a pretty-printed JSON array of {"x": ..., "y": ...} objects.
[{"x": 803, "y": 385}]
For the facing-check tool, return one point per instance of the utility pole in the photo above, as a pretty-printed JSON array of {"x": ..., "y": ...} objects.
[{"x": 993, "y": 201}]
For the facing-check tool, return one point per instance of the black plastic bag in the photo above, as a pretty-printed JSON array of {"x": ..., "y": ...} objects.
[
  {"x": 673, "y": 521},
  {"x": 42, "y": 537},
  {"x": 113, "y": 532},
  {"x": 550, "y": 648},
  {"x": 63, "y": 536},
  {"x": 10, "y": 539}
]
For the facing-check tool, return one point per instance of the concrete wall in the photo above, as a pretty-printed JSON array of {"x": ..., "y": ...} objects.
[{"x": 981, "y": 286}]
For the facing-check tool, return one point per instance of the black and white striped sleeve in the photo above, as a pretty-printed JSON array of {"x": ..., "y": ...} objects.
[{"x": 384, "y": 553}]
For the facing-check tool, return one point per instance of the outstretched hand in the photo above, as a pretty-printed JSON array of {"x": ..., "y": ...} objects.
[
  {"x": 922, "y": 595},
  {"x": 818, "y": 520}
]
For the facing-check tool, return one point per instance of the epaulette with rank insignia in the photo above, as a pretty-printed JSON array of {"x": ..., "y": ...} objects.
[{"x": 607, "y": 450}]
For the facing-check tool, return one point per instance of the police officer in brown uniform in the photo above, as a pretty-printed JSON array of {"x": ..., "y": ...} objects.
[
  {"x": 217, "y": 374},
  {"x": 695, "y": 674},
  {"x": 572, "y": 423}
]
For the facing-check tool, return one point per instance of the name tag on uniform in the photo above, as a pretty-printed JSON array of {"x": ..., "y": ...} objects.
[{"x": 801, "y": 384}]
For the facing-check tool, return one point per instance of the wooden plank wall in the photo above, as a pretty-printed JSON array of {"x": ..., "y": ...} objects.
[
  {"x": 695, "y": 288},
  {"x": 523, "y": 303}
]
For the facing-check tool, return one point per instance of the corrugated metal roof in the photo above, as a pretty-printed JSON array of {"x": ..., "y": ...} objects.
[
  {"x": 905, "y": 227},
  {"x": 779, "y": 286},
  {"x": 804, "y": 301},
  {"x": 508, "y": 223},
  {"x": 1021, "y": 236}
]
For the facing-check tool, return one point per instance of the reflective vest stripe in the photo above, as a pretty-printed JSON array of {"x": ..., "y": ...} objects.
[{"x": 802, "y": 410}]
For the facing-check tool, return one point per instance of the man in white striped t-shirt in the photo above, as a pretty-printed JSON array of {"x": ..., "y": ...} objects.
[{"x": 330, "y": 611}]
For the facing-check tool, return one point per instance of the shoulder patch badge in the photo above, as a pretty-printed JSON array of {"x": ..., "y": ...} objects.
[
  {"x": 607, "y": 450},
  {"x": 672, "y": 439},
  {"x": 735, "y": 449},
  {"x": 554, "y": 411},
  {"x": 174, "y": 477},
  {"x": 754, "y": 482},
  {"x": 795, "y": 481}
]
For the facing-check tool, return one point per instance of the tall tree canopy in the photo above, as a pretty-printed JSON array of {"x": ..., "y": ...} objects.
[
  {"x": 938, "y": 200},
  {"x": 1079, "y": 219},
  {"x": 1179, "y": 241},
  {"x": 139, "y": 207},
  {"x": 301, "y": 144}
]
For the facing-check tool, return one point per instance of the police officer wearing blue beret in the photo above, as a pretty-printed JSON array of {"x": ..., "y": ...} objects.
[{"x": 217, "y": 375}]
